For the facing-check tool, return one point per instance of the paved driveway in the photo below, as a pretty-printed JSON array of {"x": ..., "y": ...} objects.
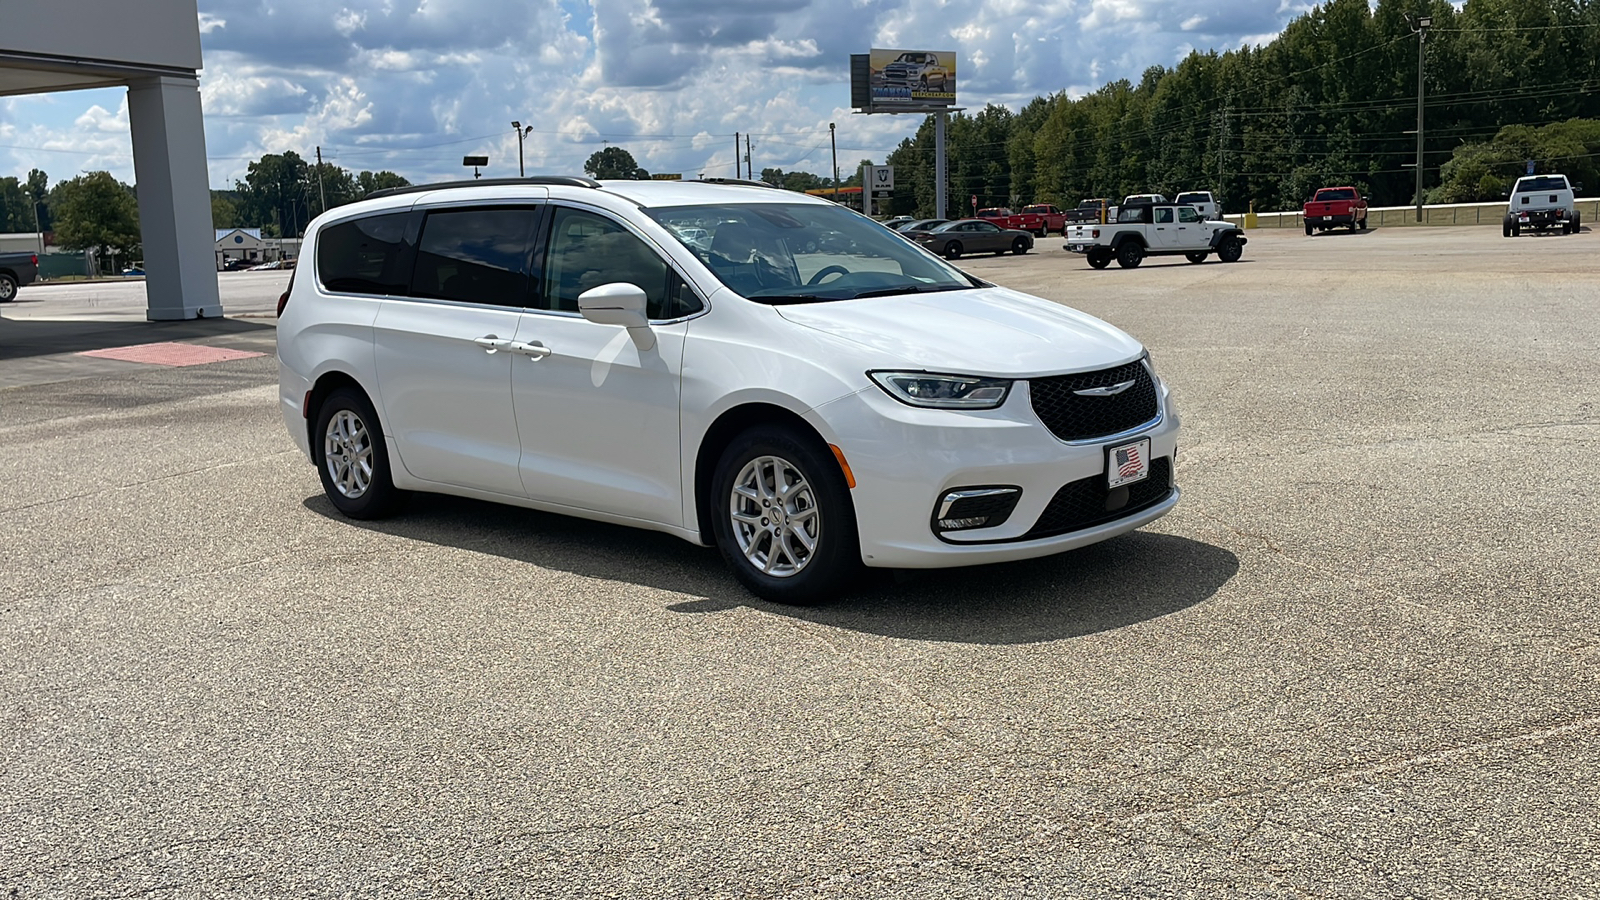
[{"x": 1358, "y": 660}]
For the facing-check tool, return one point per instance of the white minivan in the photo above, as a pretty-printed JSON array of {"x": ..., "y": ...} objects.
[{"x": 734, "y": 364}]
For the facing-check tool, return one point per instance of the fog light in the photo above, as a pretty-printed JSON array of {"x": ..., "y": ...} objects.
[{"x": 975, "y": 507}]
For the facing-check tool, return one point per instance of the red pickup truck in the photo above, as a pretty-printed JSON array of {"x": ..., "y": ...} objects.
[
  {"x": 1040, "y": 218},
  {"x": 1332, "y": 206}
]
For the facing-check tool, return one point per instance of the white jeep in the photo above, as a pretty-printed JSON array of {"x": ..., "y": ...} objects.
[
  {"x": 1156, "y": 230},
  {"x": 1541, "y": 202}
]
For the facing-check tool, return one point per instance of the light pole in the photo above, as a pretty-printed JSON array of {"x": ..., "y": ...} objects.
[
  {"x": 835, "y": 144},
  {"x": 520, "y": 132},
  {"x": 37, "y": 228},
  {"x": 1423, "y": 24}
]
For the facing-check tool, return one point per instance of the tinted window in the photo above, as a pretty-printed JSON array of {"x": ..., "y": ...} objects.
[
  {"x": 1193, "y": 198},
  {"x": 588, "y": 250},
  {"x": 364, "y": 256},
  {"x": 475, "y": 255}
]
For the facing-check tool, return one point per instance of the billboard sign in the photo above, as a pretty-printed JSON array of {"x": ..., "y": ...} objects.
[
  {"x": 912, "y": 78},
  {"x": 879, "y": 180}
]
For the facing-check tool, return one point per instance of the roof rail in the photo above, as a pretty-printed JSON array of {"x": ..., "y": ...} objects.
[
  {"x": 568, "y": 180},
  {"x": 740, "y": 181}
]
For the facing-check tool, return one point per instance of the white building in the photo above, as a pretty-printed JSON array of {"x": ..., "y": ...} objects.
[{"x": 152, "y": 48}]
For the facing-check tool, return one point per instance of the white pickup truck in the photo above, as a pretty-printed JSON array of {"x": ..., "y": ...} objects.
[
  {"x": 1156, "y": 230},
  {"x": 1541, "y": 202}
]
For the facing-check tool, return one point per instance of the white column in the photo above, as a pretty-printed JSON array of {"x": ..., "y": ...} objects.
[{"x": 169, "y": 164}]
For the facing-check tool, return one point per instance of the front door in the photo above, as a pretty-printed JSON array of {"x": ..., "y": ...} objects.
[{"x": 597, "y": 415}]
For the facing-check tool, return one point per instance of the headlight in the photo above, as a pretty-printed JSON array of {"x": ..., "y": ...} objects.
[{"x": 943, "y": 391}]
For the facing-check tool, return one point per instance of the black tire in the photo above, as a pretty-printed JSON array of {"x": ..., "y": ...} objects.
[
  {"x": 1099, "y": 259},
  {"x": 1516, "y": 229},
  {"x": 1363, "y": 223},
  {"x": 1355, "y": 225},
  {"x": 1130, "y": 254},
  {"x": 834, "y": 559},
  {"x": 1505, "y": 230},
  {"x": 953, "y": 250},
  {"x": 1308, "y": 229},
  {"x": 1577, "y": 222},
  {"x": 358, "y": 434},
  {"x": 1019, "y": 246},
  {"x": 1229, "y": 249},
  {"x": 1195, "y": 257},
  {"x": 8, "y": 288}
]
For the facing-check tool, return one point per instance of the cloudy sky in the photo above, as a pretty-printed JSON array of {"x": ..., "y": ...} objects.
[{"x": 413, "y": 85}]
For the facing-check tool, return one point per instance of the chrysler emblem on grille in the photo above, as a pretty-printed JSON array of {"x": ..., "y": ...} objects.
[{"x": 1107, "y": 391}]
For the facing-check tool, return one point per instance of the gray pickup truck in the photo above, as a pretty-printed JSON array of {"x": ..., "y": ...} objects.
[{"x": 16, "y": 270}]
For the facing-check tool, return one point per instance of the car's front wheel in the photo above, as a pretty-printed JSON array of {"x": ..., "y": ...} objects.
[
  {"x": 1229, "y": 250},
  {"x": 783, "y": 518},
  {"x": 352, "y": 458}
]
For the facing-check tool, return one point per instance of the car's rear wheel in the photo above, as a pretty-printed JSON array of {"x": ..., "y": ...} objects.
[
  {"x": 1099, "y": 259},
  {"x": 1195, "y": 257},
  {"x": 782, "y": 516},
  {"x": 1229, "y": 250},
  {"x": 8, "y": 288},
  {"x": 1129, "y": 255},
  {"x": 1019, "y": 246},
  {"x": 952, "y": 250},
  {"x": 352, "y": 458}
]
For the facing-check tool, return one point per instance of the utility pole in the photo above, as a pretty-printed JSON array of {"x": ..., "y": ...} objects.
[
  {"x": 749, "y": 171},
  {"x": 834, "y": 141},
  {"x": 37, "y": 227},
  {"x": 736, "y": 143},
  {"x": 520, "y": 132},
  {"x": 321, "y": 192},
  {"x": 1423, "y": 24},
  {"x": 939, "y": 208}
]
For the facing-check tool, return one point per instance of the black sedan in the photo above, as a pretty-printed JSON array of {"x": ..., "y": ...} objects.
[{"x": 952, "y": 239}]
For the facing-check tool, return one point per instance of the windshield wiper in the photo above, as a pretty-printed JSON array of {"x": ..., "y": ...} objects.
[
  {"x": 909, "y": 289},
  {"x": 785, "y": 299}
]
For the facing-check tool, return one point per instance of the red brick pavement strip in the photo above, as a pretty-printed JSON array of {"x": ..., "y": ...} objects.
[{"x": 171, "y": 353}]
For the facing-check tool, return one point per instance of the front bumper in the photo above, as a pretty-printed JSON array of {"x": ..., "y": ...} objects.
[{"x": 905, "y": 459}]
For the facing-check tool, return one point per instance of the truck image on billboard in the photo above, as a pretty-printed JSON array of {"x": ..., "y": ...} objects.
[{"x": 915, "y": 78}]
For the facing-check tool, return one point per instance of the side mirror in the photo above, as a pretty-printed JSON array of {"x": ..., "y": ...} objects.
[{"x": 619, "y": 303}]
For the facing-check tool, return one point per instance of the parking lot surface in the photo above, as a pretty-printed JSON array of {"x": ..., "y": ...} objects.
[{"x": 1359, "y": 659}]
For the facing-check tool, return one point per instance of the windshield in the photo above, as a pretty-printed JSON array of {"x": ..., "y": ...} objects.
[{"x": 806, "y": 252}]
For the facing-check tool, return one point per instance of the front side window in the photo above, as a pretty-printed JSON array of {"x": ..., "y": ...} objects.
[
  {"x": 588, "y": 250},
  {"x": 1188, "y": 214},
  {"x": 807, "y": 252},
  {"x": 364, "y": 256}
]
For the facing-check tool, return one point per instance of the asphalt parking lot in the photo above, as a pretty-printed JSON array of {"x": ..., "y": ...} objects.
[{"x": 1359, "y": 659}]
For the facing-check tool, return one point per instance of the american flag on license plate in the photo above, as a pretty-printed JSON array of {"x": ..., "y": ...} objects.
[{"x": 1128, "y": 462}]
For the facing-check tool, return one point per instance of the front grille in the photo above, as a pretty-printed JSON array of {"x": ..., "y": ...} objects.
[
  {"x": 1088, "y": 502},
  {"x": 1072, "y": 417}
]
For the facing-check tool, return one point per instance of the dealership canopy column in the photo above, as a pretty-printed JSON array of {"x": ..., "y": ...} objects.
[{"x": 153, "y": 49}]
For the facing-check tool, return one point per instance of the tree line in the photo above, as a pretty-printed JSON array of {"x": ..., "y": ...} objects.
[{"x": 1331, "y": 101}]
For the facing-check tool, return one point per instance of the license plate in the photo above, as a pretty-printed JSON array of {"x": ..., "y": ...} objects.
[{"x": 1127, "y": 463}]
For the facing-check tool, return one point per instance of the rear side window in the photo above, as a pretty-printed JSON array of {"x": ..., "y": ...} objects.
[
  {"x": 475, "y": 255},
  {"x": 364, "y": 256},
  {"x": 588, "y": 250}
]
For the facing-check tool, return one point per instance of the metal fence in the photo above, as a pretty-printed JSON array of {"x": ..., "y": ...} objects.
[{"x": 1443, "y": 214}]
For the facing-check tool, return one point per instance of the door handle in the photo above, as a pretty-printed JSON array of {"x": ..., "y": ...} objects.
[
  {"x": 490, "y": 343},
  {"x": 534, "y": 350}
]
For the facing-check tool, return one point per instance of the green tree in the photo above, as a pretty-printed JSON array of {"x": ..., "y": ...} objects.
[
  {"x": 95, "y": 212},
  {"x": 367, "y": 182},
  {"x": 614, "y": 162},
  {"x": 224, "y": 209},
  {"x": 275, "y": 194},
  {"x": 16, "y": 212}
]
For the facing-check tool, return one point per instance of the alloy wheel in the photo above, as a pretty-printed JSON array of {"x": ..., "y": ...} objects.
[{"x": 774, "y": 515}]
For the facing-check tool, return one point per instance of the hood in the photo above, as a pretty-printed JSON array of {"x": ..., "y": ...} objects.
[{"x": 984, "y": 331}]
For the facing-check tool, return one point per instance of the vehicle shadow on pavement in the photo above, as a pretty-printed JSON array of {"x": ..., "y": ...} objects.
[
  {"x": 1120, "y": 582},
  {"x": 24, "y": 338}
]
